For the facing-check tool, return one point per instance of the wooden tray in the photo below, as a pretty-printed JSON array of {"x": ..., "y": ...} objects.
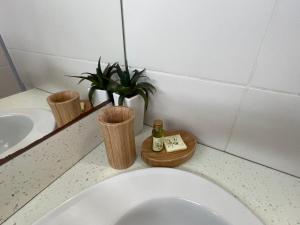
[{"x": 169, "y": 159}]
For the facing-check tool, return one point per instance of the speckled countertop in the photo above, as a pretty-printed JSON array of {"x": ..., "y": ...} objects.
[
  {"x": 33, "y": 98},
  {"x": 273, "y": 196}
]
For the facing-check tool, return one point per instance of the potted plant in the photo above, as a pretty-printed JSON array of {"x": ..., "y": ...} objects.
[
  {"x": 132, "y": 91},
  {"x": 99, "y": 81}
]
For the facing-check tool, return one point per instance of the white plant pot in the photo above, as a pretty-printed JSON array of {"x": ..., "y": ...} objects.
[
  {"x": 99, "y": 97},
  {"x": 137, "y": 104}
]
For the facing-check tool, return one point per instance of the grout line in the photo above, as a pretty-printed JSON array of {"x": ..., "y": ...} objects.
[
  {"x": 123, "y": 34},
  {"x": 237, "y": 115},
  {"x": 203, "y": 78},
  {"x": 221, "y": 82},
  {"x": 252, "y": 73},
  {"x": 274, "y": 91},
  {"x": 170, "y": 74},
  {"x": 240, "y": 157},
  {"x": 52, "y": 55},
  {"x": 89, "y": 61},
  {"x": 262, "y": 42},
  {"x": 40, "y": 89}
]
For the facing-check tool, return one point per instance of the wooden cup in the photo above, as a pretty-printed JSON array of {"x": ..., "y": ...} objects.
[
  {"x": 65, "y": 106},
  {"x": 117, "y": 128}
]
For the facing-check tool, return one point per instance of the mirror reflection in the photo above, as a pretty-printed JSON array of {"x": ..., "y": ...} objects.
[
  {"x": 47, "y": 116},
  {"x": 42, "y": 44},
  {"x": 32, "y": 109},
  {"x": 29, "y": 113},
  {"x": 25, "y": 116}
]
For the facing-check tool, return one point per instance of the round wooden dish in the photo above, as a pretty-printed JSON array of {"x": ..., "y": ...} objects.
[
  {"x": 87, "y": 105},
  {"x": 169, "y": 159}
]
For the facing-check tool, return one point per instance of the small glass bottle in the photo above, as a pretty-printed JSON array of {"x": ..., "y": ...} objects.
[{"x": 158, "y": 136}]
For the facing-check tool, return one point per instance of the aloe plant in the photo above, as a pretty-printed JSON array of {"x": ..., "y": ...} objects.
[
  {"x": 131, "y": 85},
  {"x": 99, "y": 80}
]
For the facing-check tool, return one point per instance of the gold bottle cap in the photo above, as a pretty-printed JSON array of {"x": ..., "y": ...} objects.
[{"x": 157, "y": 123}]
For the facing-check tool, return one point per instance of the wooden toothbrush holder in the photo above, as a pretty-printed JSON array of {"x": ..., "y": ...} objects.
[
  {"x": 65, "y": 106},
  {"x": 117, "y": 126}
]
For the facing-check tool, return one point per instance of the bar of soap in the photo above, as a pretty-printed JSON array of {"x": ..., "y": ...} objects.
[
  {"x": 174, "y": 143},
  {"x": 82, "y": 106}
]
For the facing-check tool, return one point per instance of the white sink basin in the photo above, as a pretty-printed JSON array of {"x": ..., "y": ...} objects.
[
  {"x": 20, "y": 127},
  {"x": 155, "y": 196}
]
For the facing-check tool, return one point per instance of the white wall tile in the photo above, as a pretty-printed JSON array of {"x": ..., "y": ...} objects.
[
  {"x": 214, "y": 39},
  {"x": 204, "y": 108},
  {"x": 8, "y": 83},
  {"x": 48, "y": 72},
  {"x": 267, "y": 130},
  {"x": 77, "y": 29},
  {"x": 278, "y": 63}
]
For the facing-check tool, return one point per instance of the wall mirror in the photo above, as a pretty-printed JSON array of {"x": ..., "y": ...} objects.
[{"x": 42, "y": 43}]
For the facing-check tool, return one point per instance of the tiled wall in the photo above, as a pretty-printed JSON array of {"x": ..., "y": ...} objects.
[
  {"x": 228, "y": 71},
  {"x": 50, "y": 39},
  {"x": 8, "y": 83}
]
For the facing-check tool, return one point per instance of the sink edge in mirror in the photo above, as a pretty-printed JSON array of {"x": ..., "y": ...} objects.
[{"x": 36, "y": 142}]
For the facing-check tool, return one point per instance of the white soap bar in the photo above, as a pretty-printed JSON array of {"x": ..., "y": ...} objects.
[
  {"x": 82, "y": 106},
  {"x": 174, "y": 143}
]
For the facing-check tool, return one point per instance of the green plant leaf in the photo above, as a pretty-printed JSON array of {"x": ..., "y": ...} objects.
[
  {"x": 99, "y": 84},
  {"x": 127, "y": 86},
  {"x": 108, "y": 72},
  {"x": 127, "y": 77},
  {"x": 121, "y": 100},
  {"x": 95, "y": 76},
  {"x": 149, "y": 87},
  {"x": 113, "y": 86},
  {"x": 111, "y": 71},
  {"x": 77, "y": 76},
  {"x": 82, "y": 78},
  {"x": 88, "y": 73},
  {"x": 99, "y": 70},
  {"x": 101, "y": 80},
  {"x": 110, "y": 96},
  {"x": 123, "y": 75},
  {"x": 142, "y": 93},
  {"x": 136, "y": 76},
  {"x": 121, "y": 90},
  {"x": 105, "y": 71},
  {"x": 119, "y": 71},
  {"x": 91, "y": 93},
  {"x": 147, "y": 95}
]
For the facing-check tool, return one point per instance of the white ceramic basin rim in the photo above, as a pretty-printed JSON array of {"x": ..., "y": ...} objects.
[
  {"x": 153, "y": 196},
  {"x": 20, "y": 127},
  {"x": 13, "y": 129}
]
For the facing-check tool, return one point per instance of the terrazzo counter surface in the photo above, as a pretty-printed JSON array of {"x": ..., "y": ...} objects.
[
  {"x": 33, "y": 98},
  {"x": 272, "y": 196}
]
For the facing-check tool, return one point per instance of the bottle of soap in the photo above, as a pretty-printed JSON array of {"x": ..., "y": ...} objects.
[{"x": 158, "y": 136}]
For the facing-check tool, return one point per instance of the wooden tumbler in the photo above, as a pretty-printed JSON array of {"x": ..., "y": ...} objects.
[
  {"x": 118, "y": 132},
  {"x": 65, "y": 106}
]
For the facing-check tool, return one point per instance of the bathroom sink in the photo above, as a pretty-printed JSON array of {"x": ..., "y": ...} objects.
[
  {"x": 20, "y": 127},
  {"x": 156, "y": 196}
]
